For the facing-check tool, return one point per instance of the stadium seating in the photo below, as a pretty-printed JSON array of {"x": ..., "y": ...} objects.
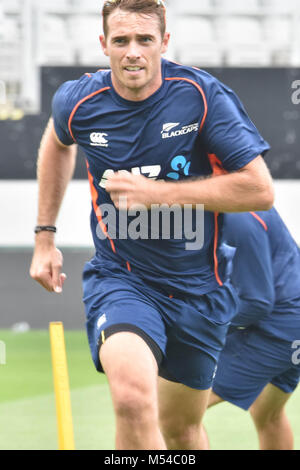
[
  {"x": 57, "y": 6},
  {"x": 1, "y": 21},
  {"x": 3, "y": 97},
  {"x": 84, "y": 32},
  {"x": 54, "y": 45},
  {"x": 87, "y": 6},
  {"x": 11, "y": 6},
  {"x": 192, "y": 6},
  {"x": 10, "y": 56},
  {"x": 239, "y": 6},
  {"x": 243, "y": 41},
  {"x": 10, "y": 30},
  {"x": 197, "y": 45},
  {"x": 280, "y": 6},
  {"x": 278, "y": 34},
  {"x": 203, "y": 33}
]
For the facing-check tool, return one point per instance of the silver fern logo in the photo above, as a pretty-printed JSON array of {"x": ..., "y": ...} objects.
[{"x": 169, "y": 126}]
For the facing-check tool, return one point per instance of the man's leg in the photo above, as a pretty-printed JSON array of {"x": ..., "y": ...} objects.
[
  {"x": 273, "y": 427},
  {"x": 214, "y": 399},
  {"x": 180, "y": 411},
  {"x": 132, "y": 370}
]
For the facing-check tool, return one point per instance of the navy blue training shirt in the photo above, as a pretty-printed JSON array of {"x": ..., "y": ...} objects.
[{"x": 172, "y": 135}]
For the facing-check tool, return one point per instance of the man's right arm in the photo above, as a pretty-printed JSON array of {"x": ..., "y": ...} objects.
[{"x": 56, "y": 163}]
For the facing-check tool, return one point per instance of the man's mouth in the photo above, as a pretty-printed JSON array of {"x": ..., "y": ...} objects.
[{"x": 133, "y": 68}]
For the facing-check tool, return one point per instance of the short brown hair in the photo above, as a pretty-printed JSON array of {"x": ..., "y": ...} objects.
[{"x": 147, "y": 7}]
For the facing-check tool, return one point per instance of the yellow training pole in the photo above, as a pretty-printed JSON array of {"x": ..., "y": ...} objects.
[{"x": 61, "y": 387}]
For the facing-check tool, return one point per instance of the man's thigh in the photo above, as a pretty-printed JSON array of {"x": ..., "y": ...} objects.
[
  {"x": 269, "y": 404},
  {"x": 131, "y": 369},
  {"x": 180, "y": 406}
]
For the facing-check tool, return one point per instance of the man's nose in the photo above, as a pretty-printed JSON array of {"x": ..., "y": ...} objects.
[{"x": 133, "y": 51}]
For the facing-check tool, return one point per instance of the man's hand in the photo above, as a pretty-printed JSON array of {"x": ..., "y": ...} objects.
[
  {"x": 46, "y": 267},
  {"x": 129, "y": 191}
]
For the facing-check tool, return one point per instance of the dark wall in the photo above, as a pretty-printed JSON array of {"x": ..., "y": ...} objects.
[
  {"x": 24, "y": 300},
  {"x": 266, "y": 94}
]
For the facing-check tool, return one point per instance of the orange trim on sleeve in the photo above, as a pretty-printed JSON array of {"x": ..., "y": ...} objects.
[
  {"x": 260, "y": 220},
  {"x": 217, "y": 169},
  {"x": 200, "y": 91},
  {"x": 216, "y": 262},
  {"x": 77, "y": 106},
  {"x": 216, "y": 165},
  {"x": 97, "y": 210},
  {"x": 128, "y": 266}
]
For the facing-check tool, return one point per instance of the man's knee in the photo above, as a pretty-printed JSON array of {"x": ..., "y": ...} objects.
[
  {"x": 133, "y": 399},
  {"x": 264, "y": 418},
  {"x": 269, "y": 408},
  {"x": 181, "y": 435}
]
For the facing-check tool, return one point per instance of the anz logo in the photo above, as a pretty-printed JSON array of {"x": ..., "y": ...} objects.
[
  {"x": 150, "y": 171},
  {"x": 181, "y": 166}
]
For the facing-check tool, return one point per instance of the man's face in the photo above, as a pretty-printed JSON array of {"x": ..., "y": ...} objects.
[{"x": 134, "y": 46}]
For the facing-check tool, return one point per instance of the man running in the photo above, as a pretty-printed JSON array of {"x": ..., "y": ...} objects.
[{"x": 154, "y": 308}]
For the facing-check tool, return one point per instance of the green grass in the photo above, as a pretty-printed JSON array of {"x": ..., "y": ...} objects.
[
  {"x": 230, "y": 428},
  {"x": 27, "y": 407},
  {"x": 28, "y": 371}
]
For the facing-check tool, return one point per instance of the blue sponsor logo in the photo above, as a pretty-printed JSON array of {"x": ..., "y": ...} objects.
[{"x": 181, "y": 167}]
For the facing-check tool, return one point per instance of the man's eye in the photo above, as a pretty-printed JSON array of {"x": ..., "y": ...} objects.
[{"x": 119, "y": 41}]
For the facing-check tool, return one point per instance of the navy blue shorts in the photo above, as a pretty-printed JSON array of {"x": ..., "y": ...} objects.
[
  {"x": 250, "y": 360},
  {"x": 185, "y": 334}
]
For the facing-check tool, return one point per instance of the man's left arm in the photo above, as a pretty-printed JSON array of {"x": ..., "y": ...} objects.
[{"x": 247, "y": 189}]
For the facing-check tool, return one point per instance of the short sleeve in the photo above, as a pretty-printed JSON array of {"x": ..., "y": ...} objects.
[
  {"x": 228, "y": 131},
  {"x": 61, "y": 111}
]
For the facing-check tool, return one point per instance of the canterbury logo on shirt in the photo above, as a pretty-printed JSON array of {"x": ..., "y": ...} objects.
[{"x": 98, "y": 139}]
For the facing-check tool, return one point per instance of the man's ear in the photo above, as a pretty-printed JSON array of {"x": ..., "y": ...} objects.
[
  {"x": 103, "y": 44},
  {"x": 165, "y": 43}
]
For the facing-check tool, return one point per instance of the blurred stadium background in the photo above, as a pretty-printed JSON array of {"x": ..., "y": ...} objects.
[{"x": 251, "y": 45}]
